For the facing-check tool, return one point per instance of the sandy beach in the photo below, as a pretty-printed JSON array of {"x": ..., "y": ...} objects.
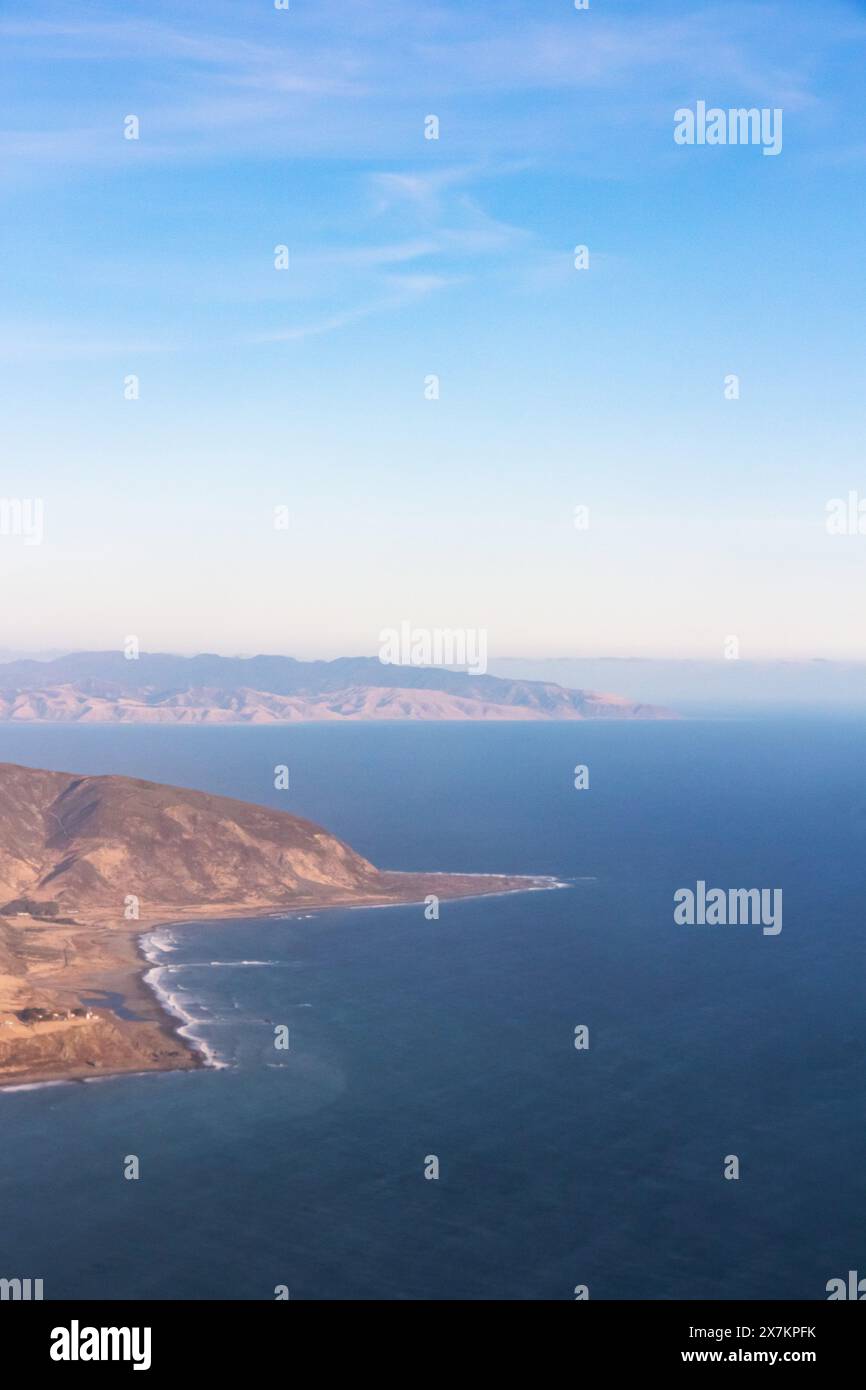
[{"x": 97, "y": 1016}]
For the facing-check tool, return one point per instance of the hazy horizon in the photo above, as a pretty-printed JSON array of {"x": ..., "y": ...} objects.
[
  {"x": 691, "y": 686},
  {"x": 8, "y": 655}
]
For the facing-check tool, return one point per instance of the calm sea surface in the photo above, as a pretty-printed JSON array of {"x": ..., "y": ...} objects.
[{"x": 454, "y": 1038}]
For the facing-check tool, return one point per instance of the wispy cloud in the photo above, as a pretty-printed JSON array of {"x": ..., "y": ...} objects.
[
  {"x": 406, "y": 290},
  {"x": 271, "y": 86}
]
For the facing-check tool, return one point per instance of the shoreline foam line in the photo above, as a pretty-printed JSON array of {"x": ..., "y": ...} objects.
[{"x": 170, "y": 1004}]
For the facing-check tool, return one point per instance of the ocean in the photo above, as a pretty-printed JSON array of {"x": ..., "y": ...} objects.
[{"x": 412, "y": 1039}]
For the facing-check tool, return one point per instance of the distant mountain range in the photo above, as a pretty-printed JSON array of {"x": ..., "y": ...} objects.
[{"x": 108, "y": 688}]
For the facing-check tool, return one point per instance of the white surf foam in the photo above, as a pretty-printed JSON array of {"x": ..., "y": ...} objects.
[
  {"x": 169, "y": 1000},
  {"x": 37, "y": 1085}
]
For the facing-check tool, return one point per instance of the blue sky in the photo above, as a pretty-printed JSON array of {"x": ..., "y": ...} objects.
[{"x": 305, "y": 387}]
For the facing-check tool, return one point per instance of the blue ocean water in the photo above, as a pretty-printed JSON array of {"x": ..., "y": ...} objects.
[{"x": 454, "y": 1037}]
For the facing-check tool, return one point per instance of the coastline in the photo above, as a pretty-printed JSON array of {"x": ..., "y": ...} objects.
[{"x": 133, "y": 1025}]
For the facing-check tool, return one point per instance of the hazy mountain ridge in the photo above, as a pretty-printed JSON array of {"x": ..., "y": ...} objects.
[{"x": 105, "y": 687}]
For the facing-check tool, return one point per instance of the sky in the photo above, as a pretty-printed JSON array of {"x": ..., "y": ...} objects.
[{"x": 307, "y": 388}]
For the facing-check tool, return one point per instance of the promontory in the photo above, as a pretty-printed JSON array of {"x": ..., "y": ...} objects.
[{"x": 87, "y": 864}]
